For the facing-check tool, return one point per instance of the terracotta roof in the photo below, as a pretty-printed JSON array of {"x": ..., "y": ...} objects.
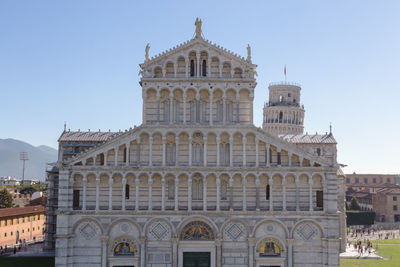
[
  {"x": 309, "y": 139},
  {"x": 21, "y": 211},
  {"x": 87, "y": 136}
]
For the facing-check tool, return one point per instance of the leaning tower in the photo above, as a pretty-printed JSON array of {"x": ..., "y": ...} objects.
[{"x": 283, "y": 114}]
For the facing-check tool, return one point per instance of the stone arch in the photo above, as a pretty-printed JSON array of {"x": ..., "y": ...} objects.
[
  {"x": 307, "y": 234},
  {"x": 118, "y": 222},
  {"x": 194, "y": 218},
  {"x": 235, "y": 230},
  {"x": 271, "y": 238},
  {"x": 154, "y": 231},
  {"x": 92, "y": 220},
  {"x": 281, "y": 224},
  {"x": 124, "y": 238}
]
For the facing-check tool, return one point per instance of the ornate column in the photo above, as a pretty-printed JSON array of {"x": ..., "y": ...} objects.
[
  {"x": 301, "y": 161},
  {"x": 174, "y": 252},
  {"x": 290, "y": 159},
  {"x": 198, "y": 65},
  {"x": 144, "y": 96},
  {"x": 325, "y": 193},
  {"x": 105, "y": 158},
  {"x": 218, "y": 181},
  {"x": 244, "y": 194},
  {"x": 97, "y": 192},
  {"x": 211, "y": 111},
  {"x": 290, "y": 252},
  {"x": 218, "y": 244},
  {"x": 231, "y": 151},
  {"x": 123, "y": 192},
  {"x": 151, "y": 151},
  {"x": 310, "y": 183},
  {"x": 171, "y": 107},
  {"x": 110, "y": 188},
  {"x": 251, "y": 242},
  {"x": 268, "y": 160},
  {"x": 189, "y": 194},
  {"x": 297, "y": 193},
  {"x": 257, "y": 193},
  {"x": 256, "y": 151},
  {"x": 176, "y": 150},
  {"x": 244, "y": 149},
  {"x": 284, "y": 193},
  {"x": 218, "y": 150},
  {"x": 209, "y": 67},
  {"x": 176, "y": 193},
  {"x": 184, "y": 106},
  {"x": 231, "y": 193},
  {"x": 205, "y": 193},
  {"x": 163, "y": 194},
  {"x": 127, "y": 154},
  {"x": 190, "y": 150},
  {"x": 224, "y": 109},
  {"x": 150, "y": 181},
  {"x": 84, "y": 193},
  {"x": 186, "y": 68},
  {"x": 205, "y": 152},
  {"x": 271, "y": 199},
  {"x": 104, "y": 241},
  {"x": 137, "y": 184},
  {"x": 143, "y": 252},
  {"x": 220, "y": 70},
  {"x": 163, "y": 151},
  {"x": 116, "y": 156},
  {"x": 158, "y": 97}
]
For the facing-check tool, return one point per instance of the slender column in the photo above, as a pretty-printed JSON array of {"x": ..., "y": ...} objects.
[
  {"x": 104, "y": 241},
  {"x": 189, "y": 194},
  {"x": 198, "y": 65},
  {"x": 267, "y": 147},
  {"x": 257, "y": 193},
  {"x": 310, "y": 183},
  {"x": 256, "y": 152},
  {"x": 123, "y": 192},
  {"x": 150, "y": 150},
  {"x": 297, "y": 193},
  {"x": 284, "y": 193},
  {"x": 271, "y": 198},
  {"x": 218, "y": 244},
  {"x": 231, "y": 151},
  {"x": 150, "y": 194},
  {"x": 176, "y": 193},
  {"x": 184, "y": 106},
  {"x": 220, "y": 70},
  {"x": 211, "y": 111},
  {"x": 209, "y": 67},
  {"x": 205, "y": 152},
  {"x": 290, "y": 252},
  {"x": 186, "y": 69},
  {"x": 84, "y": 193},
  {"x": 175, "y": 69},
  {"x": 252, "y": 242},
  {"x": 158, "y": 106},
  {"x": 218, "y": 192},
  {"x": 163, "y": 151},
  {"x": 301, "y": 161},
  {"x": 97, "y": 192},
  {"x": 244, "y": 193},
  {"x": 127, "y": 154},
  {"x": 190, "y": 150},
  {"x": 205, "y": 193},
  {"x": 116, "y": 156},
  {"x": 174, "y": 252},
  {"x": 325, "y": 191},
  {"x": 143, "y": 252},
  {"x": 244, "y": 150},
  {"x": 110, "y": 188},
  {"x": 105, "y": 158},
  {"x": 144, "y": 98},
  {"x": 218, "y": 150},
  {"x": 176, "y": 150},
  {"x": 171, "y": 107},
  {"x": 224, "y": 109},
  {"x": 231, "y": 194},
  {"x": 163, "y": 194},
  {"x": 137, "y": 182},
  {"x": 290, "y": 159}
]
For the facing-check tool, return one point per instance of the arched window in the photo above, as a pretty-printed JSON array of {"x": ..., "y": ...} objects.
[
  {"x": 267, "y": 192},
  {"x": 124, "y": 249},
  {"x": 269, "y": 249},
  {"x": 124, "y": 156},
  {"x": 203, "y": 107},
  {"x": 229, "y": 111},
  {"x": 204, "y": 68},
  {"x": 158, "y": 72},
  {"x": 197, "y": 189},
  {"x": 280, "y": 117},
  {"x": 281, "y": 99},
  {"x": 171, "y": 189},
  {"x": 220, "y": 111},
  {"x": 192, "y": 68},
  {"x": 165, "y": 105},
  {"x": 127, "y": 191},
  {"x": 224, "y": 154},
  {"x": 197, "y": 230},
  {"x": 224, "y": 190},
  {"x": 319, "y": 151},
  {"x": 170, "y": 151},
  {"x": 177, "y": 114},
  {"x": 197, "y": 154}
]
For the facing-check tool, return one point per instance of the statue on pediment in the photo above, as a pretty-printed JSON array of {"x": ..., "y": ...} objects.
[
  {"x": 248, "y": 53},
  {"x": 147, "y": 52},
  {"x": 198, "y": 23}
]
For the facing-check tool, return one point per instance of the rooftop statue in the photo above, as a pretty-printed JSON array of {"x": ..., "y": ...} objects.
[
  {"x": 147, "y": 52},
  {"x": 198, "y": 27},
  {"x": 248, "y": 53}
]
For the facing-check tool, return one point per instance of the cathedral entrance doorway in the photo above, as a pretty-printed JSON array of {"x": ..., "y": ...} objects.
[{"x": 196, "y": 259}]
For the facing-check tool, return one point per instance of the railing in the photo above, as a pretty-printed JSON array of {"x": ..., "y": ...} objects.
[{"x": 284, "y": 83}]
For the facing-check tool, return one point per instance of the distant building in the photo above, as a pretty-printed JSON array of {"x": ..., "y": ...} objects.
[
  {"x": 8, "y": 180},
  {"x": 372, "y": 179},
  {"x": 21, "y": 225},
  {"x": 386, "y": 204}
]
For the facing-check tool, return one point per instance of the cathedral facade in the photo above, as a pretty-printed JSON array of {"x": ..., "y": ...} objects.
[{"x": 197, "y": 184}]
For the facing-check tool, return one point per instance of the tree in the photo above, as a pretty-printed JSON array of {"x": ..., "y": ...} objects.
[
  {"x": 354, "y": 204},
  {"x": 6, "y": 200}
]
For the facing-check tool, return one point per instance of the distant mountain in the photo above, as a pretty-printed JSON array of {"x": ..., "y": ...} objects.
[{"x": 11, "y": 165}]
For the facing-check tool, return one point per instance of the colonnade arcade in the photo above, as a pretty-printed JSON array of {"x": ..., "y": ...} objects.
[
  {"x": 212, "y": 106},
  {"x": 197, "y": 148},
  {"x": 199, "y": 191}
]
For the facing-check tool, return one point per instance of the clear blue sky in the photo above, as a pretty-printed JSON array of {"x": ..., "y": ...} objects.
[{"x": 77, "y": 61}]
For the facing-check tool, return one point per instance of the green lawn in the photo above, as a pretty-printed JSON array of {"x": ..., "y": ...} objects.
[
  {"x": 391, "y": 253},
  {"x": 27, "y": 261}
]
